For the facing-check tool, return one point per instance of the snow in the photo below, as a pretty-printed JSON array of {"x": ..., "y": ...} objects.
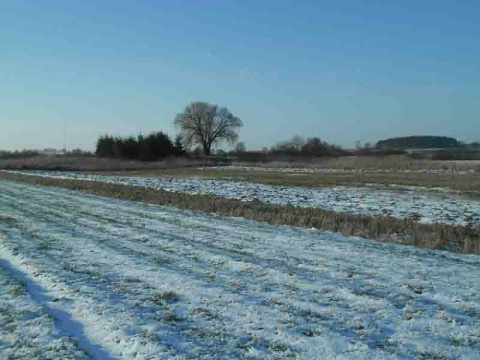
[
  {"x": 126, "y": 280},
  {"x": 401, "y": 202},
  {"x": 26, "y": 328},
  {"x": 313, "y": 170}
]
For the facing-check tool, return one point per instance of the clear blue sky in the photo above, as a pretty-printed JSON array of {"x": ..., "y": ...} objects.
[{"x": 339, "y": 70}]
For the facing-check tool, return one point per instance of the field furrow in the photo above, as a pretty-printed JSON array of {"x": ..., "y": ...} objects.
[{"x": 119, "y": 279}]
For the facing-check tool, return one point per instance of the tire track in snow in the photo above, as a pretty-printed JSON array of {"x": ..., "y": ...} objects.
[{"x": 62, "y": 319}]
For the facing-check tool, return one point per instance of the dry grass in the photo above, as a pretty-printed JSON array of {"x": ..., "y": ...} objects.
[
  {"x": 388, "y": 229},
  {"x": 91, "y": 163},
  {"x": 388, "y": 162}
]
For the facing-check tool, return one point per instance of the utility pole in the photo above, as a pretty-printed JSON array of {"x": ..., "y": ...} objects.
[{"x": 64, "y": 141}]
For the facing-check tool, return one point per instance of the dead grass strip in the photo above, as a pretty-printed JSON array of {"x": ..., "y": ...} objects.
[{"x": 382, "y": 228}]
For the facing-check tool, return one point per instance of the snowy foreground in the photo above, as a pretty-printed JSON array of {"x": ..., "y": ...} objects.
[
  {"x": 85, "y": 276},
  {"x": 399, "y": 202}
]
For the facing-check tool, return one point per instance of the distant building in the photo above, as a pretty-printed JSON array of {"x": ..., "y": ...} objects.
[
  {"x": 423, "y": 151},
  {"x": 50, "y": 152}
]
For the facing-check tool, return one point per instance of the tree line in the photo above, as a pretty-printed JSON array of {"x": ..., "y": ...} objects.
[
  {"x": 152, "y": 147},
  {"x": 17, "y": 154},
  {"x": 200, "y": 124},
  {"x": 310, "y": 147},
  {"x": 418, "y": 142}
]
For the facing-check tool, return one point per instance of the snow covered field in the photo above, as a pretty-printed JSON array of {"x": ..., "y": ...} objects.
[
  {"x": 119, "y": 279},
  {"x": 398, "y": 201},
  {"x": 314, "y": 170}
]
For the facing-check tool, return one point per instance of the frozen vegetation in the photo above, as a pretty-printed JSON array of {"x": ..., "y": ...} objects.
[
  {"x": 116, "y": 279},
  {"x": 401, "y": 202},
  {"x": 327, "y": 170}
]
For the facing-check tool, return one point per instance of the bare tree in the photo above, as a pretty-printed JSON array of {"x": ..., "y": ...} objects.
[
  {"x": 297, "y": 142},
  {"x": 205, "y": 124},
  {"x": 240, "y": 147}
]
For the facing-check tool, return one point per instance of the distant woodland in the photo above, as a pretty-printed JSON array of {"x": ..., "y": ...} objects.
[{"x": 417, "y": 142}]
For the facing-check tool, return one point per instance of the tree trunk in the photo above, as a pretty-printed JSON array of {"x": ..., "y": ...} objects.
[{"x": 206, "y": 149}]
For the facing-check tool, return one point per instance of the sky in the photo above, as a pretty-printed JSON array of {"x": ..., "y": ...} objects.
[{"x": 343, "y": 71}]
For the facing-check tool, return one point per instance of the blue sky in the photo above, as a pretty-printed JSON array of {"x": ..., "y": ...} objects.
[{"x": 340, "y": 70}]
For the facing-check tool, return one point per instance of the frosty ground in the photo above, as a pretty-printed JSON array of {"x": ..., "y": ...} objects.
[
  {"x": 401, "y": 202},
  {"x": 105, "y": 278},
  {"x": 313, "y": 169}
]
